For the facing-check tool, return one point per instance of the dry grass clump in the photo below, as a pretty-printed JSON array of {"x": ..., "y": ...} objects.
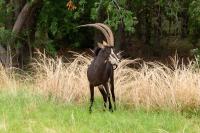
[
  {"x": 153, "y": 85},
  {"x": 65, "y": 81},
  {"x": 7, "y": 78}
]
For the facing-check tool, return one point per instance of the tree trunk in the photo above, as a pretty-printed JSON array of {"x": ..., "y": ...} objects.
[
  {"x": 24, "y": 17},
  {"x": 26, "y": 54},
  {"x": 184, "y": 26}
]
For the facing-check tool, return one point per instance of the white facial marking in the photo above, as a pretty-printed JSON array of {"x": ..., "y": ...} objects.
[{"x": 113, "y": 58}]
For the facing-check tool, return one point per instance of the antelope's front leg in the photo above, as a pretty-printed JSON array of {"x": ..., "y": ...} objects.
[
  {"x": 112, "y": 88},
  {"x": 91, "y": 98}
]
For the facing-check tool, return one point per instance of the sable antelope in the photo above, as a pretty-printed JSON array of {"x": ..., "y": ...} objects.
[{"x": 101, "y": 70}]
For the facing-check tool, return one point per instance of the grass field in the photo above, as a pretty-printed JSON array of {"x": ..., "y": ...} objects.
[{"x": 23, "y": 112}]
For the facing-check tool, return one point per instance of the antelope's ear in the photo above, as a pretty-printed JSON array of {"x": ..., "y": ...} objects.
[
  {"x": 100, "y": 45},
  {"x": 105, "y": 43}
]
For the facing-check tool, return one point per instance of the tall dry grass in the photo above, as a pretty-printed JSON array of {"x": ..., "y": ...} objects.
[
  {"x": 153, "y": 85},
  {"x": 65, "y": 81}
]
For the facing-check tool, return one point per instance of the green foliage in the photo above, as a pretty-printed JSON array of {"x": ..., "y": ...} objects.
[
  {"x": 55, "y": 25},
  {"x": 52, "y": 17},
  {"x": 196, "y": 53},
  {"x": 5, "y": 12},
  {"x": 52, "y": 24},
  {"x": 172, "y": 8},
  {"x": 115, "y": 16},
  {"x": 81, "y": 9},
  {"x": 194, "y": 11},
  {"x": 6, "y": 36}
]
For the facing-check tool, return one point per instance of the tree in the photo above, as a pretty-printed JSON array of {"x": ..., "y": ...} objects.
[{"x": 23, "y": 12}]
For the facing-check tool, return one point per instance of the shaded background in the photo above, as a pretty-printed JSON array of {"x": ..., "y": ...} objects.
[{"x": 151, "y": 29}]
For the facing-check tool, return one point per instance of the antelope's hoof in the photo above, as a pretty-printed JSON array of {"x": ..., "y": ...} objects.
[
  {"x": 110, "y": 109},
  {"x": 115, "y": 108},
  {"x": 90, "y": 110}
]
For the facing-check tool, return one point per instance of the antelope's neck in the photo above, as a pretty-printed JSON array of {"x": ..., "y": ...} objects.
[{"x": 100, "y": 63}]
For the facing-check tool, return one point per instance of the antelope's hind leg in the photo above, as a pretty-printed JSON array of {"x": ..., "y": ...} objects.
[
  {"x": 108, "y": 95},
  {"x": 104, "y": 94},
  {"x": 91, "y": 98}
]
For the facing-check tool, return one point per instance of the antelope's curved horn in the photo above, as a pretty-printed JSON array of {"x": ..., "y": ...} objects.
[
  {"x": 103, "y": 30},
  {"x": 109, "y": 31}
]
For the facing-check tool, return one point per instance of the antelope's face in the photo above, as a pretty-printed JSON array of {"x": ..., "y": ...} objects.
[
  {"x": 113, "y": 58},
  {"x": 109, "y": 55}
]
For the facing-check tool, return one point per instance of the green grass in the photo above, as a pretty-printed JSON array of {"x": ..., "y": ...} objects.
[{"x": 23, "y": 112}]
